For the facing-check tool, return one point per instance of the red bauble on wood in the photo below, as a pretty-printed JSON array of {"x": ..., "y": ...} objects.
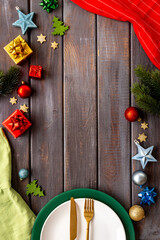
[
  {"x": 24, "y": 90},
  {"x": 131, "y": 114}
]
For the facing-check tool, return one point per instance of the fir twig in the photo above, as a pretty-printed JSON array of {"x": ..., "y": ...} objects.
[
  {"x": 9, "y": 81},
  {"x": 147, "y": 90}
]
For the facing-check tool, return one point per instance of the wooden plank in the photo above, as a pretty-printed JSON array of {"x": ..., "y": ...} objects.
[
  {"x": 80, "y": 142},
  {"x": 46, "y": 109},
  {"x": 20, "y": 146},
  {"x": 149, "y": 227},
  {"x": 113, "y": 99}
]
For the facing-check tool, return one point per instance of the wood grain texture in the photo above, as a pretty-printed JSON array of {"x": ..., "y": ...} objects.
[
  {"x": 80, "y": 143},
  {"x": 46, "y": 109},
  {"x": 113, "y": 99},
  {"x": 149, "y": 227},
  {"x": 20, "y": 146},
  {"x": 79, "y": 136}
]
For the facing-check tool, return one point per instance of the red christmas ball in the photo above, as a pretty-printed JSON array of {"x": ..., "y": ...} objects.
[
  {"x": 131, "y": 114},
  {"x": 24, "y": 90}
]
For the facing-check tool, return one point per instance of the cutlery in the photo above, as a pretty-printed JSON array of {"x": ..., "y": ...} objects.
[
  {"x": 73, "y": 219},
  {"x": 88, "y": 213}
]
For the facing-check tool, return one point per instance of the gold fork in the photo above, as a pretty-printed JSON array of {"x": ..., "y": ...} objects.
[{"x": 88, "y": 213}]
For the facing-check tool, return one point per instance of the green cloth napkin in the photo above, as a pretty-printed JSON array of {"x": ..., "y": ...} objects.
[{"x": 16, "y": 218}]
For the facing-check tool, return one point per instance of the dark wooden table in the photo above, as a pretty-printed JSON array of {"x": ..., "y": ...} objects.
[{"x": 79, "y": 136}]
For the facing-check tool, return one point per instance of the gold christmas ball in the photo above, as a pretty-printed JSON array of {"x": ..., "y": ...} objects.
[{"x": 136, "y": 213}]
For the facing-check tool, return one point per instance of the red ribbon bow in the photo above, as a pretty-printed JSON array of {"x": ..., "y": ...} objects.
[{"x": 17, "y": 123}]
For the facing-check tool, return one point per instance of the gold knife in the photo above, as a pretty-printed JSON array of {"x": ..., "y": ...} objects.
[{"x": 73, "y": 219}]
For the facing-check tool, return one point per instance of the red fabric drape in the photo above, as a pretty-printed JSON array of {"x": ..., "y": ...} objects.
[{"x": 143, "y": 14}]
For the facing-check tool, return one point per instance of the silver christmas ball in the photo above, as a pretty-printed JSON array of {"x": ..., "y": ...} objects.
[{"x": 139, "y": 177}]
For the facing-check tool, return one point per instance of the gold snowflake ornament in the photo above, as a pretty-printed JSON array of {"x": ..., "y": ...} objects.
[
  {"x": 41, "y": 38},
  {"x": 24, "y": 108},
  {"x": 142, "y": 137},
  {"x": 13, "y": 100},
  {"x": 54, "y": 45},
  {"x": 144, "y": 125}
]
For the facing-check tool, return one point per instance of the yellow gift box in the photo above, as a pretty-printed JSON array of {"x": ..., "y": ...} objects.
[{"x": 18, "y": 50}]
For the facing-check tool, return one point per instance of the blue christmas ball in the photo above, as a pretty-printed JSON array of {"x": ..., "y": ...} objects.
[{"x": 23, "y": 173}]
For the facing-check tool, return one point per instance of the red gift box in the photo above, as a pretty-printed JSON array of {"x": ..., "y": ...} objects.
[
  {"x": 35, "y": 71},
  {"x": 16, "y": 123}
]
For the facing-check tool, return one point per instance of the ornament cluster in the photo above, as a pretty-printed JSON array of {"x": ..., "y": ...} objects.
[
  {"x": 19, "y": 50},
  {"x": 144, "y": 156}
]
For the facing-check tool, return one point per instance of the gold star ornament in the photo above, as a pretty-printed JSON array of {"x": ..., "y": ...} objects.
[
  {"x": 54, "y": 45},
  {"x": 24, "y": 108},
  {"x": 139, "y": 119},
  {"x": 13, "y": 100},
  {"x": 144, "y": 125},
  {"x": 41, "y": 38},
  {"x": 142, "y": 137}
]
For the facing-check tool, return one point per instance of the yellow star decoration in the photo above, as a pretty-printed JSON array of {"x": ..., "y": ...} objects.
[
  {"x": 54, "y": 45},
  {"x": 13, "y": 100},
  {"x": 139, "y": 119},
  {"x": 41, "y": 38},
  {"x": 142, "y": 137},
  {"x": 24, "y": 108},
  {"x": 144, "y": 125}
]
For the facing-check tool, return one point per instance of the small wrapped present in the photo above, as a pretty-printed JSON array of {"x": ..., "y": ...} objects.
[
  {"x": 16, "y": 123},
  {"x": 35, "y": 71},
  {"x": 18, "y": 50}
]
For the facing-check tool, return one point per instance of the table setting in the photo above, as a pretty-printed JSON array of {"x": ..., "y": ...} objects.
[
  {"x": 105, "y": 216},
  {"x": 79, "y": 119}
]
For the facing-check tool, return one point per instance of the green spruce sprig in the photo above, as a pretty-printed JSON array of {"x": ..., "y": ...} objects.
[
  {"x": 147, "y": 90},
  {"x": 9, "y": 81}
]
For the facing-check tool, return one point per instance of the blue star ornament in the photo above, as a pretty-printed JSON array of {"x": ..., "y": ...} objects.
[
  {"x": 147, "y": 196},
  {"x": 144, "y": 155},
  {"x": 24, "y": 21}
]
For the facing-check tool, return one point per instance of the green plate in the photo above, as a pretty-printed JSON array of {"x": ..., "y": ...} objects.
[{"x": 83, "y": 193}]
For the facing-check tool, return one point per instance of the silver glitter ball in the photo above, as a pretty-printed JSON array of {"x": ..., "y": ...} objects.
[{"x": 139, "y": 177}]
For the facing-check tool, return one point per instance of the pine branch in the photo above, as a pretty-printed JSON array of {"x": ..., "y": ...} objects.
[
  {"x": 143, "y": 75},
  {"x": 9, "y": 81},
  {"x": 155, "y": 84},
  {"x": 147, "y": 90}
]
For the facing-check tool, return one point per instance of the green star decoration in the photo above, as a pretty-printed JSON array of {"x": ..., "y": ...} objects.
[
  {"x": 49, "y": 5},
  {"x": 24, "y": 21},
  {"x": 59, "y": 27}
]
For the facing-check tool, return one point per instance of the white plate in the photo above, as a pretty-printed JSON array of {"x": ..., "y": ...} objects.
[{"x": 105, "y": 225}]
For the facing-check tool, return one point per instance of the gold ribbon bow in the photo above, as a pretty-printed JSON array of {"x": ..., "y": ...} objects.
[{"x": 17, "y": 48}]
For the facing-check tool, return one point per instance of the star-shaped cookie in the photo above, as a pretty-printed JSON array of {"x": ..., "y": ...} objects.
[
  {"x": 24, "y": 21},
  {"x": 54, "y": 45},
  {"x": 139, "y": 119},
  {"x": 41, "y": 38},
  {"x": 142, "y": 137},
  {"x": 24, "y": 108},
  {"x": 144, "y": 125},
  {"x": 13, "y": 100}
]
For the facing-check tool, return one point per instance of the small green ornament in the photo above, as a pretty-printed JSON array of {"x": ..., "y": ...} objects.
[
  {"x": 59, "y": 27},
  {"x": 49, "y": 5},
  {"x": 33, "y": 188},
  {"x": 23, "y": 173}
]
